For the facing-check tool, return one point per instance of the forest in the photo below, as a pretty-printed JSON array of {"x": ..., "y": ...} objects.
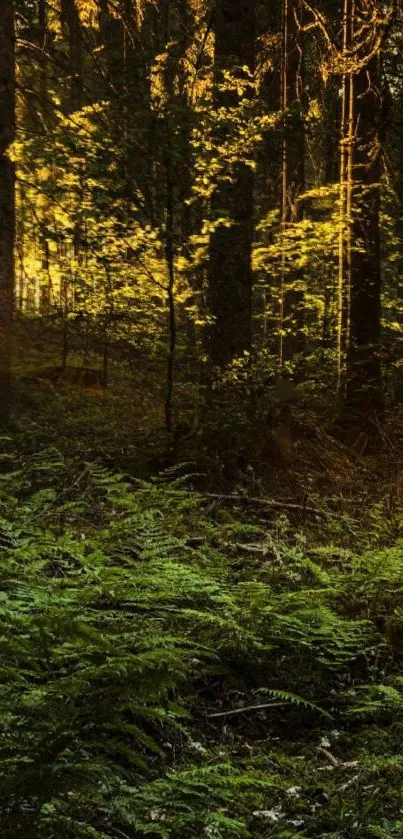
[{"x": 201, "y": 419}]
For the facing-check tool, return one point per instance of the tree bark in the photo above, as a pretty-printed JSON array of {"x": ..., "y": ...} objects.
[
  {"x": 7, "y": 201},
  {"x": 71, "y": 18},
  {"x": 230, "y": 268},
  {"x": 345, "y": 192},
  {"x": 292, "y": 338},
  {"x": 364, "y": 395},
  {"x": 397, "y": 355},
  {"x": 111, "y": 29},
  {"x": 73, "y": 100}
]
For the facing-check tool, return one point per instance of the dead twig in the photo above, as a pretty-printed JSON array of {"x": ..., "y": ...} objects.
[
  {"x": 349, "y": 783},
  {"x": 264, "y": 502},
  {"x": 334, "y": 761},
  {"x": 246, "y": 709},
  {"x": 246, "y": 499}
]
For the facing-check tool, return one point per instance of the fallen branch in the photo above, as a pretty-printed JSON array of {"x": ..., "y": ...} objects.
[
  {"x": 245, "y": 499},
  {"x": 334, "y": 761},
  {"x": 349, "y": 783},
  {"x": 250, "y": 549},
  {"x": 263, "y": 502},
  {"x": 246, "y": 709}
]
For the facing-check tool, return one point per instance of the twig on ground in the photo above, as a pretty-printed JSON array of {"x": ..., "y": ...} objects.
[
  {"x": 349, "y": 783},
  {"x": 334, "y": 761},
  {"x": 245, "y": 499},
  {"x": 264, "y": 502},
  {"x": 246, "y": 709}
]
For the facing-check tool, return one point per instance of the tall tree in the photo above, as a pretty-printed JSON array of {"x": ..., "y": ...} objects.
[
  {"x": 230, "y": 269},
  {"x": 70, "y": 16},
  {"x": 364, "y": 381},
  {"x": 293, "y": 174},
  {"x": 7, "y": 199},
  {"x": 347, "y": 128},
  {"x": 72, "y": 101}
]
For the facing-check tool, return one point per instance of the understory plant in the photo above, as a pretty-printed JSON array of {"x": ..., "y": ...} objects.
[{"x": 175, "y": 673}]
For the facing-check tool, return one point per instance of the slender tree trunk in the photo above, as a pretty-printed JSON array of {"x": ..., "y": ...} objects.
[
  {"x": 65, "y": 334},
  {"x": 73, "y": 100},
  {"x": 105, "y": 359},
  {"x": 331, "y": 116},
  {"x": 230, "y": 269},
  {"x": 43, "y": 289},
  {"x": 111, "y": 29},
  {"x": 43, "y": 61},
  {"x": 345, "y": 192},
  {"x": 189, "y": 221},
  {"x": 71, "y": 18},
  {"x": 170, "y": 259},
  {"x": 398, "y": 345},
  {"x": 292, "y": 337},
  {"x": 169, "y": 240},
  {"x": 364, "y": 395},
  {"x": 330, "y": 176},
  {"x": 7, "y": 201}
]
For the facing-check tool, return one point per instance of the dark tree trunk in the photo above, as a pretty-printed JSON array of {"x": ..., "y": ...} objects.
[
  {"x": 347, "y": 142},
  {"x": 330, "y": 176},
  {"x": 230, "y": 269},
  {"x": 397, "y": 354},
  {"x": 331, "y": 116},
  {"x": 112, "y": 39},
  {"x": 169, "y": 236},
  {"x": 364, "y": 381},
  {"x": 7, "y": 200},
  {"x": 293, "y": 175},
  {"x": 73, "y": 101},
  {"x": 71, "y": 18},
  {"x": 105, "y": 361},
  {"x": 170, "y": 260},
  {"x": 43, "y": 61}
]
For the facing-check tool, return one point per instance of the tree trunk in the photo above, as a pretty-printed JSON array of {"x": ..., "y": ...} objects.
[
  {"x": 331, "y": 115},
  {"x": 347, "y": 128},
  {"x": 397, "y": 354},
  {"x": 7, "y": 200},
  {"x": 73, "y": 100},
  {"x": 111, "y": 29},
  {"x": 230, "y": 269},
  {"x": 364, "y": 395},
  {"x": 43, "y": 61},
  {"x": 292, "y": 338},
  {"x": 71, "y": 18}
]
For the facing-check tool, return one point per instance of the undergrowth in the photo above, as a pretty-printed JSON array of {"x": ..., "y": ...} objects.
[{"x": 174, "y": 670}]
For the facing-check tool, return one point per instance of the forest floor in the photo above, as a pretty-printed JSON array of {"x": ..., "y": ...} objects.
[{"x": 192, "y": 648}]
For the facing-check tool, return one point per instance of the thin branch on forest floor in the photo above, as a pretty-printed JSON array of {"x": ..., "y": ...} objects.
[
  {"x": 264, "y": 502},
  {"x": 261, "y": 502},
  {"x": 349, "y": 783},
  {"x": 250, "y": 549},
  {"x": 334, "y": 761},
  {"x": 246, "y": 709}
]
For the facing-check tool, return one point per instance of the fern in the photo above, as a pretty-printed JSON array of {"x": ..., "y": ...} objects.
[
  {"x": 293, "y": 699},
  {"x": 123, "y": 638}
]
